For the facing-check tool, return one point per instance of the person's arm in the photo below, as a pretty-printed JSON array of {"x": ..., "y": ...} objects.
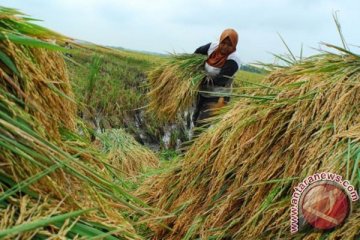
[
  {"x": 203, "y": 49},
  {"x": 226, "y": 73}
]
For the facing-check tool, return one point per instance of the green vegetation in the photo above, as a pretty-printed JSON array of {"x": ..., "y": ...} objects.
[
  {"x": 53, "y": 183},
  {"x": 244, "y": 76},
  {"x": 72, "y": 165},
  {"x": 109, "y": 86},
  {"x": 125, "y": 153},
  {"x": 237, "y": 178}
]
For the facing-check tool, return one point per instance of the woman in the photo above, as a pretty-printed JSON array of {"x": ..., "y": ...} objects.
[{"x": 220, "y": 66}]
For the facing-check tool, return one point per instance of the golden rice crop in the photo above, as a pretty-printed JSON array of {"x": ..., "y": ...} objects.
[
  {"x": 236, "y": 180},
  {"x": 42, "y": 85},
  {"x": 174, "y": 85},
  {"x": 126, "y": 154},
  {"x": 52, "y": 182}
]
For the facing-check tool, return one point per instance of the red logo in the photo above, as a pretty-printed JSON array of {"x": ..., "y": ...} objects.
[{"x": 325, "y": 205}]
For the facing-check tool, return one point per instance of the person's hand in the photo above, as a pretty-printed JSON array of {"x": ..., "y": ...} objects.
[
  {"x": 215, "y": 107},
  {"x": 221, "y": 102}
]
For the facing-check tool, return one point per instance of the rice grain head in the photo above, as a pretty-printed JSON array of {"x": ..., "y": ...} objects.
[{"x": 236, "y": 180}]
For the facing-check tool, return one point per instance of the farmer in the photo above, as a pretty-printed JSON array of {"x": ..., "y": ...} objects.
[{"x": 220, "y": 67}]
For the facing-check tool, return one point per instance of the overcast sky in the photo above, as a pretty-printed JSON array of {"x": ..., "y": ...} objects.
[{"x": 181, "y": 26}]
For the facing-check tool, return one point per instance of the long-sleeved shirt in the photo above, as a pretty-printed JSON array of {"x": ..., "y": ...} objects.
[{"x": 232, "y": 64}]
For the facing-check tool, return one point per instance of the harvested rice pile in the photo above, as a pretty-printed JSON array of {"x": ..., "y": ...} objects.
[
  {"x": 41, "y": 82},
  {"x": 126, "y": 154},
  {"x": 236, "y": 180},
  {"x": 174, "y": 85},
  {"x": 52, "y": 183}
]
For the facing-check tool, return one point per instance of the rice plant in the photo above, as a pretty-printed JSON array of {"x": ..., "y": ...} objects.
[
  {"x": 53, "y": 184},
  {"x": 109, "y": 88},
  {"x": 125, "y": 153},
  {"x": 174, "y": 85},
  {"x": 236, "y": 180}
]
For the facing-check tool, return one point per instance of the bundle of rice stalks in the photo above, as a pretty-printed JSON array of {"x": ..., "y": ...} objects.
[
  {"x": 237, "y": 179},
  {"x": 174, "y": 85},
  {"x": 36, "y": 76},
  {"x": 70, "y": 173},
  {"x": 27, "y": 214},
  {"x": 51, "y": 182},
  {"x": 126, "y": 154}
]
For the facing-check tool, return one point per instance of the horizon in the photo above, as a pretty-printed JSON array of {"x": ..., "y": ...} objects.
[{"x": 163, "y": 27}]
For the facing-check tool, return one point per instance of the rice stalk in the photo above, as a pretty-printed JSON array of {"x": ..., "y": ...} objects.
[
  {"x": 309, "y": 125},
  {"x": 174, "y": 85},
  {"x": 41, "y": 154},
  {"x": 125, "y": 154}
]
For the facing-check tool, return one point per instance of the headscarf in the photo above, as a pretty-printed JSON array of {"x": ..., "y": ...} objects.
[{"x": 216, "y": 59}]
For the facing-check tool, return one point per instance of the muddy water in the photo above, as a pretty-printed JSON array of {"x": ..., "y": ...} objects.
[{"x": 168, "y": 136}]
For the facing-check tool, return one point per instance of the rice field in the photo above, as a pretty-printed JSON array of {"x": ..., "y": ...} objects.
[
  {"x": 75, "y": 128},
  {"x": 239, "y": 174}
]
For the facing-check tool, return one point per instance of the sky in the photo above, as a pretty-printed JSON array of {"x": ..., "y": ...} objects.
[{"x": 179, "y": 26}]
